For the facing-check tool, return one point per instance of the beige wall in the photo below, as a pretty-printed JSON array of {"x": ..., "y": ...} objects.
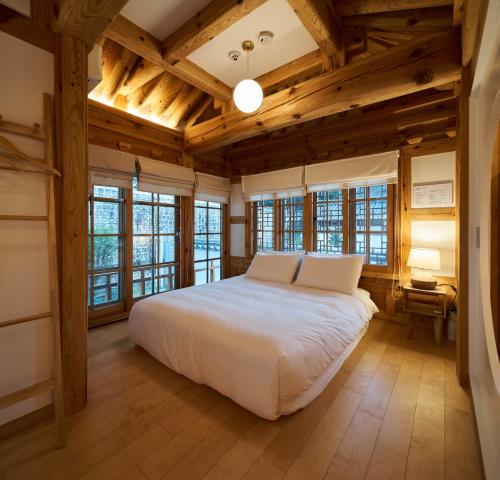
[{"x": 25, "y": 350}]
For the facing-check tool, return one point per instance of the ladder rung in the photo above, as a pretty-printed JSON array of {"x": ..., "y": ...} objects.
[
  {"x": 42, "y": 218},
  {"x": 25, "y": 393},
  {"x": 16, "y": 321}
]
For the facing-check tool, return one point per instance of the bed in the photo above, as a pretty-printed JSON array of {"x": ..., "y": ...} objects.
[{"x": 270, "y": 347}]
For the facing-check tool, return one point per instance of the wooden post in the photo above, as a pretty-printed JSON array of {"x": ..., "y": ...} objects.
[
  {"x": 226, "y": 242},
  {"x": 462, "y": 212},
  {"x": 71, "y": 157},
  {"x": 187, "y": 241},
  {"x": 307, "y": 222}
]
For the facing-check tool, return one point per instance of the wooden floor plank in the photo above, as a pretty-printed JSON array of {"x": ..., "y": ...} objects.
[{"x": 352, "y": 457}]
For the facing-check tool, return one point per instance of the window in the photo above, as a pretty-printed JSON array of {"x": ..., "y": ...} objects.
[
  {"x": 264, "y": 225},
  {"x": 207, "y": 241},
  {"x": 354, "y": 221},
  {"x": 106, "y": 258},
  {"x": 329, "y": 224},
  {"x": 368, "y": 223},
  {"x": 156, "y": 266},
  {"x": 291, "y": 225}
]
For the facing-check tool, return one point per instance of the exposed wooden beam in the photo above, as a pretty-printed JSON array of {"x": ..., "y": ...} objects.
[
  {"x": 458, "y": 10},
  {"x": 362, "y": 7},
  {"x": 86, "y": 19},
  {"x": 205, "y": 25},
  {"x": 139, "y": 41},
  {"x": 116, "y": 121},
  {"x": 411, "y": 67},
  {"x": 425, "y": 20},
  {"x": 179, "y": 111},
  {"x": 26, "y": 29},
  {"x": 471, "y": 28},
  {"x": 312, "y": 64},
  {"x": 324, "y": 26}
]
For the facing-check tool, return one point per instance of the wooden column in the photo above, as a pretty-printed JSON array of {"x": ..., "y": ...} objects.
[
  {"x": 307, "y": 220},
  {"x": 462, "y": 212},
  {"x": 226, "y": 242},
  {"x": 187, "y": 241},
  {"x": 71, "y": 156}
]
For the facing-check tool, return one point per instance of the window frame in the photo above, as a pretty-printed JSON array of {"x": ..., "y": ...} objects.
[
  {"x": 155, "y": 205},
  {"x": 112, "y": 305},
  {"x": 310, "y": 226},
  {"x": 210, "y": 269}
]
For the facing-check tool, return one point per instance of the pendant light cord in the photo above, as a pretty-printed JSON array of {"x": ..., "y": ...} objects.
[{"x": 248, "y": 64}]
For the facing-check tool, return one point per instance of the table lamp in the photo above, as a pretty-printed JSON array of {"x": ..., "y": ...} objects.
[{"x": 424, "y": 259}]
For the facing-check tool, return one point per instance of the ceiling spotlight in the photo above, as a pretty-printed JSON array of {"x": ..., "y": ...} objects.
[{"x": 248, "y": 94}]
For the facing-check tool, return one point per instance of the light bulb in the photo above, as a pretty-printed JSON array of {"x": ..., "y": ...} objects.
[{"x": 248, "y": 96}]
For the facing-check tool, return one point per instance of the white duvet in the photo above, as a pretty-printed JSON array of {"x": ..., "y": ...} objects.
[{"x": 265, "y": 345}]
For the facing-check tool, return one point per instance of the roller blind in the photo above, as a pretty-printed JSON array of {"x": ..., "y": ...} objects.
[
  {"x": 212, "y": 188},
  {"x": 277, "y": 184},
  {"x": 110, "y": 167},
  {"x": 378, "y": 169},
  {"x": 160, "y": 177}
]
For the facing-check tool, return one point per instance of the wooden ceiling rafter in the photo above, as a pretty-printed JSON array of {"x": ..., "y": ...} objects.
[
  {"x": 216, "y": 17},
  {"x": 366, "y": 7},
  {"x": 410, "y": 67},
  {"x": 142, "y": 43}
]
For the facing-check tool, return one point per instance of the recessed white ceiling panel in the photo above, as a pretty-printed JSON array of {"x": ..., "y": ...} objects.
[
  {"x": 161, "y": 17},
  {"x": 291, "y": 41}
]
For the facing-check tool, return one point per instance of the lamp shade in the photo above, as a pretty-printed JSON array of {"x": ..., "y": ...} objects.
[
  {"x": 248, "y": 96},
  {"x": 424, "y": 258}
]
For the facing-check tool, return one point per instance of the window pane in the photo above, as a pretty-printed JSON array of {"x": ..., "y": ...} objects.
[
  {"x": 106, "y": 252},
  {"x": 357, "y": 193},
  {"x": 214, "y": 270},
  {"x": 167, "y": 199},
  {"x": 200, "y": 273},
  {"x": 143, "y": 219},
  {"x": 378, "y": 215},
  {"x": 167, "y": 219},
  {"x": 200, "y": 203},
  {"x": 378, "y": 191},
  {"x": 360, "y": 222},
  {"x": 106, "y": 217},
  {"x": 214, "y": 220},
  {"x": 200, "y": 220},
  {"x": 166, "y": 278},
  {"x": 106, "y": 192},
  {"x": 378, "y": 249},
  {"x": 166, "y": 248},
  {"x": 143, "y": 250},
  {"x": 214, "y": 246},
  {"x": 200, "y": 247},
  {"x": 106, "y": 288},
  {"x": 360, "y": 243}
]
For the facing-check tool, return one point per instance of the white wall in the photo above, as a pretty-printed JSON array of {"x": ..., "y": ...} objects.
[
  {"x": 25, "y": 350},
  {"x": 237, "y": 231},
  {"x": 484, "y": 366}
]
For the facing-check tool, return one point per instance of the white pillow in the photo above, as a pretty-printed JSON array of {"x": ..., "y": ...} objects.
[
  {"x": 338, "y": 273},
  {"x": 274, "y": 268}
]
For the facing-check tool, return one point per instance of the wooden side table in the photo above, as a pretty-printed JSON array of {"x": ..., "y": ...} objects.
[{"x": 428, "y": 303}]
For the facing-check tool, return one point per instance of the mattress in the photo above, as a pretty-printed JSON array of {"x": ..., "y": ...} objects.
[{"x": 270, "y": 347}]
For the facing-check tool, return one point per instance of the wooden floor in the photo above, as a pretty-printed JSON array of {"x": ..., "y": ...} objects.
[{"x": 393, "y": 411}]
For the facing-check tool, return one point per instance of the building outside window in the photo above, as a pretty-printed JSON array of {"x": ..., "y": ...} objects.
[
  {"x": 329, "y": 224},
  {"x": 106, "y": 252},
  {"x": 207, "y": 241},
  {"x": 291, "y": 224},
  {"x": 156, "y": 227}
]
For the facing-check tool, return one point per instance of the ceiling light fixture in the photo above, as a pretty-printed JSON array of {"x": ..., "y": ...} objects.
[{"x": 248, "y": 94}]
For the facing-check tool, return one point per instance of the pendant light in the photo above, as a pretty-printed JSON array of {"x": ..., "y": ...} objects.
[{"x": 248, "y": 94}]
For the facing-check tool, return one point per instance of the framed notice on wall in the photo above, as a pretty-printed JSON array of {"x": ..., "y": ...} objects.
[{"x": 433, "y": 194}]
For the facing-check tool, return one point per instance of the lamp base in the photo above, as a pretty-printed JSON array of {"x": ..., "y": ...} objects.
[
  {"x": 424, "y": 281},
  {"x": 423, "y": 284}
]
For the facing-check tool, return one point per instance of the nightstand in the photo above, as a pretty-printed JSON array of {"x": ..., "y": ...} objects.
[{"x": 427, "y": 303}]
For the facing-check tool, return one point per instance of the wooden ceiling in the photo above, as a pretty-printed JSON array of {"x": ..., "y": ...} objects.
[{"x": 153, "y": 79}]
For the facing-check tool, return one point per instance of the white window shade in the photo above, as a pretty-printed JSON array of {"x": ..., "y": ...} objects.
[
  {"x": 161, "y": 177},
  {"x": 211, "y": 188},
  {"x": 277, "y": 184},
  {"x": 110, "y": 167},
  {"x": 354, "y": 172}
]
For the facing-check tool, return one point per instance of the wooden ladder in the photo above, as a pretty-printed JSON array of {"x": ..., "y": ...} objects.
[{"x": 16, "y": 160}]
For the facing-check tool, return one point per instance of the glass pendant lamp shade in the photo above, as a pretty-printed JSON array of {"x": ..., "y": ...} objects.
[{"x": 248, "y": 96}]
